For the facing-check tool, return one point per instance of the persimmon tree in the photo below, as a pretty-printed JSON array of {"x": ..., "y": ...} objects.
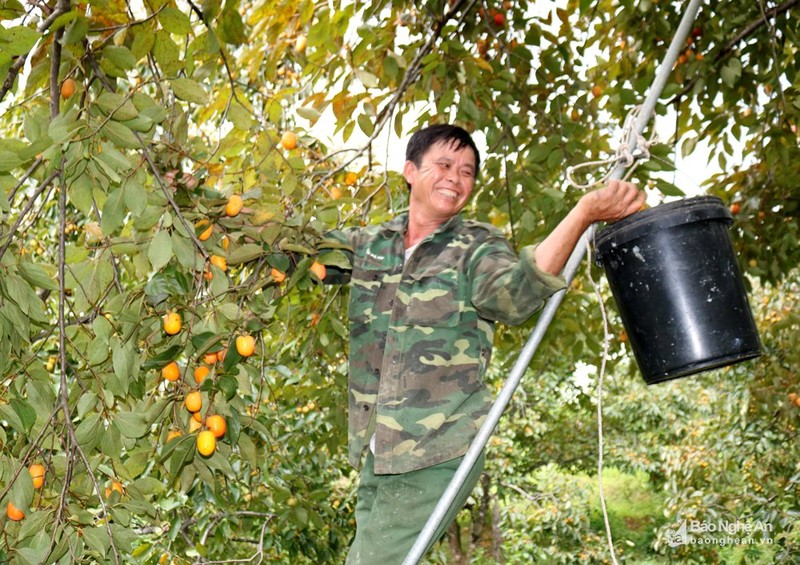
[{"x": 169, "y": 171}]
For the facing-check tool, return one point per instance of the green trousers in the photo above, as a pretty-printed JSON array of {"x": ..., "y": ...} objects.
[{"x": 391, "y": 510}]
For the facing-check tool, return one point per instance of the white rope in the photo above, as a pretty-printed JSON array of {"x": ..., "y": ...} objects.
[
  {"x": 623, "y": 155},
  {"x": 606, "y": 340}
]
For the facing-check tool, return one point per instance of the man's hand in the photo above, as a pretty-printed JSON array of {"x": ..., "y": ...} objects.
[{"x": 611, "y": 203}]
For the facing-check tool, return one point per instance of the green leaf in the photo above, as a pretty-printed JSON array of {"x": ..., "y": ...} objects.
[
  {"x": 731, "y": 72},
  {"x": 247, "y": 450},
  {"x": 240, "y": 117},
  {"x": 189, "y": 90},
  {"x": 367, "y": 79},
  {"x": 17, "y": 41},
  {"x": 135, "y": 196},
  {"x": 147, "y": 486},
  {"x": 7, "y": 414},
  {"x": 182, "y": 455},
  {"x": 97, "y": 538},
  {"x": 9, "y": 161},
  {"x": 366, "y": 124},
  {"x": 335, "y": 258},
  {"x": 309, "y": 114},
  {"x": 120, "y": 56},
  {"x": 160, "y": 251},
  {"x": 80, "y": 194},
  {"x": 86, "y": 402},
  {"x": 227, "y": 383},
  {"x": 120, "y": 135},
  {"x": 245, "y": 253},
  {"x": 89, "y": 431},
  {"x": 161, "y": 359},
  {"x": 175, "y": 21},
  {"x": 668, "y": 189},
  {"x": 25, "y": 412},
  {"x": 117, "y": 106},
  {"x": 131, "y": 424},
  {"x": 113, "y": 212},
  {"x": 76, "y": 31},
  {"x": 143, "y": 40},
  {"x": 183, "y": 248},
  {"x": 205, "y": 342},
  {"x": 688, "y": 145},
  {"x": 231, "y": 29},
  {"x": 167, "y": 53},
  {"x": 36, "y": 275},
  {"x": 19, "y": 292},
  {"x": 11, "y": 10},
  {"x": 123, "y": 360},
  {"x": 97, "y": 352},
  {"x": 33, "y": 525}
]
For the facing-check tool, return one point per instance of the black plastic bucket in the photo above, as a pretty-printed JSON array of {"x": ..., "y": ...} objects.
[{"x": 674, "y": 276}]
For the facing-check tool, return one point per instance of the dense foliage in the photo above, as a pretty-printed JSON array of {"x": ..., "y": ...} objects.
[{"x": 129, "y": 130}]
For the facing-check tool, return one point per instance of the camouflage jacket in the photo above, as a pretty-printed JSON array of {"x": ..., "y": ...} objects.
[{"x": 421, "y": 335}]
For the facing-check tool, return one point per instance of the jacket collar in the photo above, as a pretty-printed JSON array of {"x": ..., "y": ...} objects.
[{"x": 399, "y": 224}]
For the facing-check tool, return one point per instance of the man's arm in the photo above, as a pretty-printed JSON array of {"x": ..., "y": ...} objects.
[{"x": 613, "y": 202}]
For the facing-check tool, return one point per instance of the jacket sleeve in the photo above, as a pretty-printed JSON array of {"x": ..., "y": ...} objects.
[{"x": 506, "y": 287}]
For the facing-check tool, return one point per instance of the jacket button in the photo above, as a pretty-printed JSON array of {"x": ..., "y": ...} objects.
[{"x": 366, "y": 408}]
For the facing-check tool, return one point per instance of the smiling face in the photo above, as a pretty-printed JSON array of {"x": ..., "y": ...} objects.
[{"x": 442, "y": 183}]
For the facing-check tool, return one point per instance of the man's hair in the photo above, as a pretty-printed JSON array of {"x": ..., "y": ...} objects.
[{"x": 424, "y": 139}]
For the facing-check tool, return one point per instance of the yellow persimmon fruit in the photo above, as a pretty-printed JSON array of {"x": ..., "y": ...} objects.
[
  {"x": 336, "y": 193},
  {"x": 14, "y": 513},
  {"x": 277, "y": 275},
  {"x": 350, "y": 178},
  {"x": 219, "y": 262},
  {"x": 194, "y": 425},
  {"x": 318, "y": 269},
  {"x": 206, "y": 233},
  {"x": 206, "y": 443},
  {"x": 172, "y": 323},
  {"x": 172, "y": 434},
  {"x": 68, "y": 88},
  {"x": 37, "y": 475},
  {"x": 115, "y": 486},
  {"x": 217, "y": 425},
  {"x": 200, "y": 373},
  {"x": 289, "y": 140},
  {"x": 210, "y": 358},
  {"x": 245, "y": 345},
  {"x": 234, "y": 206},
  {"x": 171, "y": 371},
  {"x": 193, "y": 401}
]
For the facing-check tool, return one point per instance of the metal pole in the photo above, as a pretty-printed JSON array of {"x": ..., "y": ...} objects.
[{"x": 548, "y": 313}]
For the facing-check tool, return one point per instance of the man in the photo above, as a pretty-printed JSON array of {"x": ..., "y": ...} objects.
[{"x": 426, "y": 290}]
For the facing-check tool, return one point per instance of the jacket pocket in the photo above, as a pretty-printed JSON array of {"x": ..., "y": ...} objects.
[{"x": 434, "y": 299}]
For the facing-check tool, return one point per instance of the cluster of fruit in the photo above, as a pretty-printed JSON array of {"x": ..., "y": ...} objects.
[{"x": 211, "y": 427}]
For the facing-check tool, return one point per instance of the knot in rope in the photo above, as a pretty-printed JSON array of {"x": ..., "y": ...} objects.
[{"x": 623, "y": 155}]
